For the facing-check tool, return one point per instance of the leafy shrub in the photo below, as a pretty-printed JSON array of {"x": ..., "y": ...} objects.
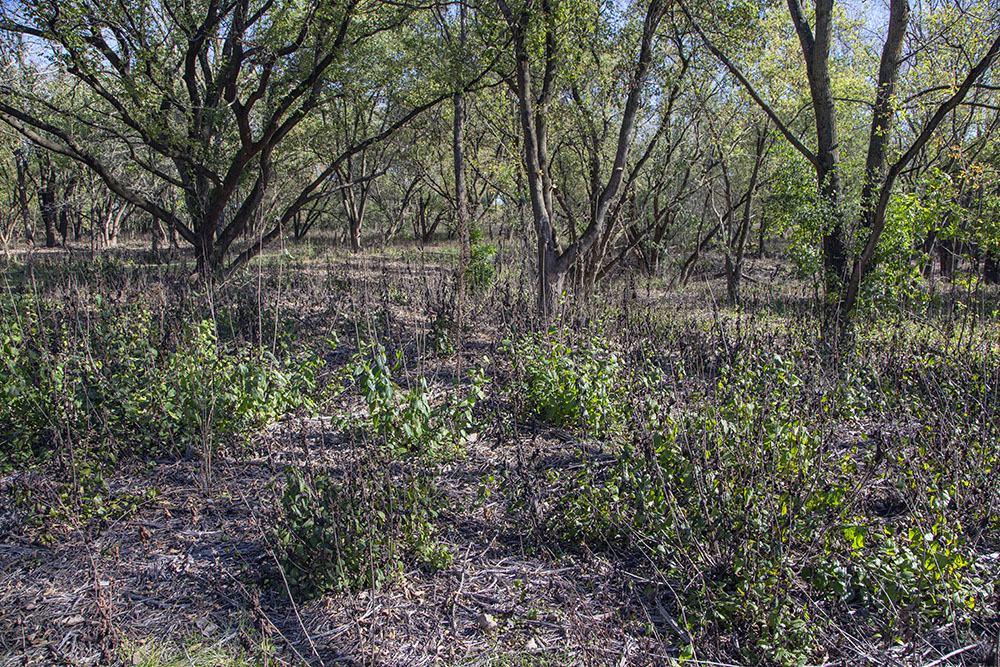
[
  {"x": 897, "y": 279},
  {"x": 30, "y": 382},
  {"x": 206, "y": 394},
  {"x": 334, "y": 535},
  {"x": 357, "y": 531},
  {"x": 110, "y": 384},
  {"x": 441, "y": 338},
  {"x": 740, "y": 488},
  {"x": 482, "y": 269},
  {"x": 565, "y": 386},
  {"x": 407, "y": 422}
]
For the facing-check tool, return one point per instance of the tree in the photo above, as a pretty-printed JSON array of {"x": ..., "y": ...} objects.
[
  {"x": 554, "y": 260},
  {"x": 11, "y": 190},
  {"x": 844, "y": 268},
  {"x": 202, "y": 95},
  {"x": 458, "y": 50}
]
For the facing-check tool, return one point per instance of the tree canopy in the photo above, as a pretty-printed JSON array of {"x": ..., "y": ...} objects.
[{"x": 616, "y": 129}]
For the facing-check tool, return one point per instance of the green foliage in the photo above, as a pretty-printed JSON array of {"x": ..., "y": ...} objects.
[
  {"x": 208, "y": 394},
  {"x": 789, "y": 206},
  {"x": 578, "y": 387},
  {"x": 359, "y": 530},
  {"x": 29, "y": 378},
  {"x": 811, "y": 221},
  {"x": 441, "y": 338},
  {"x": 86, "y": 497},
  {"x": 109, "y": 384},
  {"x": 335, "y": 536},
  {"x": 742, "y": 488},
  {"x": 481, "y": 270},
  {"x": 897, "y": 280},
  {"x": 407, "y": 422},
  {"x": 957, "y": 208}
]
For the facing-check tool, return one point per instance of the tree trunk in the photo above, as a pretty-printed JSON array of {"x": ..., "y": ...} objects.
[
  {"x": 816, "y": 52},
  {"x": 355, "y": 200},
  {"x": 64, "y": 223},
  {"x": 946, "y": 257},
  {"x": 875, "y": 209},
  {"x": 878, "y": 141},
  {"x": 204, "y": 242},
  {"x": 553, "y": 263},
  {"x": 158, "y": 236},
  {"x": 927, "y": 247},
  {"x": 461, "y": 196},
  {"x": 22, "y": 196},
  {"x": 47, "y": 203},
  {"x": 67, "y": 211},
  {"x": 734, "y": 267},
  {"x": 354, "y": 232},
  {"x": 991, "y": 268},
  {"x": 545, "y": 249},
  {"x": 458, "y": 156},
  {"x": 762, "y": 236}
]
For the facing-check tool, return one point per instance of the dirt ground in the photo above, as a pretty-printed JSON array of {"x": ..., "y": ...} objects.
[{"x": 193, "y": 566}]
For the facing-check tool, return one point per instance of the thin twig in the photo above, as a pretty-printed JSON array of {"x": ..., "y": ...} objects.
[{"x": 949, "y": 656}]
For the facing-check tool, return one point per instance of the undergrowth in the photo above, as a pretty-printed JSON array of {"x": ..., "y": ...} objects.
[
  {"x": 101, "y": 378},
  {"x": 776, "y": 497},
  {"x": 770, "y": 499},
  {"x": 359, "y": 528}
]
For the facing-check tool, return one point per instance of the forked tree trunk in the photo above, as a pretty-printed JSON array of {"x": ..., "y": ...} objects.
[
  {"x": 354, "y": 197},
  {"x": 554, "y": 263}
]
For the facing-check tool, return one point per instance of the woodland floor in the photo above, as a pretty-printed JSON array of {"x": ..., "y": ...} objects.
[
  {"x": 191, "y": 577},
  {"x": 197, "y": 567}
]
